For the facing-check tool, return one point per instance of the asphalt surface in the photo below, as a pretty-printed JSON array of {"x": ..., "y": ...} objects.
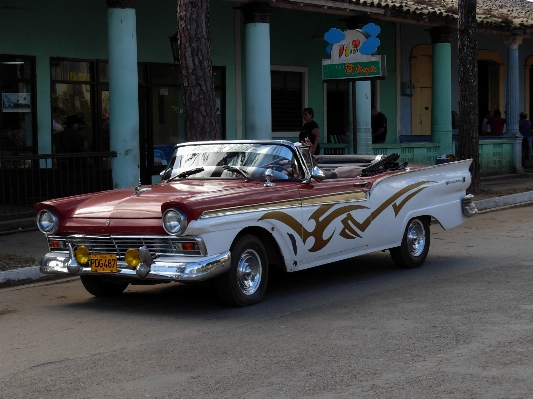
[{"x": 32, "y": 243}]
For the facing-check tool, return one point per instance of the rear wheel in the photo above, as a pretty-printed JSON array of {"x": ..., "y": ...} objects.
[
  {"x": 98, "y": 286},
  {"x": 245, "y": 283},
  {"x": 415, "y": 244}
]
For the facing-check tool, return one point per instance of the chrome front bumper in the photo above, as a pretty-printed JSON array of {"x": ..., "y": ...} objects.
[{"x": 164, "y": 268}]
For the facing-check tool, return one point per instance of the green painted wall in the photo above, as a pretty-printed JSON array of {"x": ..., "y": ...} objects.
[
  {"x": 78, "y": 29},
  {"x": 292, "y": 44},
  {"x": 387, "y": 87}
]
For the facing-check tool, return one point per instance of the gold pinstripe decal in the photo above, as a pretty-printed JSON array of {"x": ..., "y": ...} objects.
[{"x": 348, "y": 222}]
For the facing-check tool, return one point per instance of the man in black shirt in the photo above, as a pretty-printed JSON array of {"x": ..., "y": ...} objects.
[{"x": 379, "y": 126}]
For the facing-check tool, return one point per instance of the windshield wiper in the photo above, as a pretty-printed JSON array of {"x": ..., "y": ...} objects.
[
  {"x": 187, "y": 173},
  {"x": 236, "y": 170}
]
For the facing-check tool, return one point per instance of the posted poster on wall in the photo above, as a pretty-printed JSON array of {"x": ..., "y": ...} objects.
[{"x": 16, "y": 102}]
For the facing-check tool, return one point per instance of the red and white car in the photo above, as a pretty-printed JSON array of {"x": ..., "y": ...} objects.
[{"x": 232, "y": 210}]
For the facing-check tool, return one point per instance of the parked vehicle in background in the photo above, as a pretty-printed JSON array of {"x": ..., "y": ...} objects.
[{"x": 233, "y": 210}]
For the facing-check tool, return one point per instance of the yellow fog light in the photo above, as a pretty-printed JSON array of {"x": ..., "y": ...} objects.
[
  {"x": 82, "y": 255},
  {"x": 132, "y": 257}
]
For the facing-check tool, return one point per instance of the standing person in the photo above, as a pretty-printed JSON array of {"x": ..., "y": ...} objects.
[
  {"x": 497, "y": 123},
  {"x": 71, "y": 140},
  {"x": 485, "y": 125},
  {"x": 524, "y": 126},
  {"x": 57, "y": 126},
  {"x": 310, "y": 133},
  {"x": 379, "y": 126}
]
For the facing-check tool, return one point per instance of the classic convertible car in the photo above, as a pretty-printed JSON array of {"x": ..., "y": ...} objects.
[{"x": 232, "y": 210}]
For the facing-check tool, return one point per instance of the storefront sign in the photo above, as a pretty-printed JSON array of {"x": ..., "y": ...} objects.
[
  {"x": 16, "y": 102},
  {"x": 162, "y": 154},
  {"x": 351, "y": 54}
]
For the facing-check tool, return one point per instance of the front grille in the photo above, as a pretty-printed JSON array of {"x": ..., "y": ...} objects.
[{"x": 160, "y": 245}]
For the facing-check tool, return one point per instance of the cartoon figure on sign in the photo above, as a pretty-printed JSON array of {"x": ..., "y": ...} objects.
[{"x": 366, "y": 42}]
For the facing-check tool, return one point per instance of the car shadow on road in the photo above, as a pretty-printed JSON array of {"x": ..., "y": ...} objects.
[{"x": 285, "y": 291}]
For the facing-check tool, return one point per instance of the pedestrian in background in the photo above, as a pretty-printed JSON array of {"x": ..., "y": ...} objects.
[
  {"x": 310, "y": 132},
  {"x": 497, "y": 123},
  {"x": 57, "y": 125},
  {"x": 379, "y": 126},
  {"x": 524, "y": 125},
  {"x": 71, "y": 140},
  {"x": 485, "y": 125}
]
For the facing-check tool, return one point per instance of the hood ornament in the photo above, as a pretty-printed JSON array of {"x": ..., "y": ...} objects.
[{"x": 139, "y": 190}]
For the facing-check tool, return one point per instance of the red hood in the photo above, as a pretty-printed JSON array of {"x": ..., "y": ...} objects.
[{"x": 192, "y": 196}]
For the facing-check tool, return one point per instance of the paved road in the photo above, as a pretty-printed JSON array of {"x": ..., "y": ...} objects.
[{"x": 461, "y": 326}]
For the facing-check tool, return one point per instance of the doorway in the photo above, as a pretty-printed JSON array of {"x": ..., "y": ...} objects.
[
  {"x": 422, "y": 77},
  {"x": 337, "y": 93}
]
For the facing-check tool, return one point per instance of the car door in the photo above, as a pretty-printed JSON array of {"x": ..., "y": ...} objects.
[{"x": 336, "y": 216}]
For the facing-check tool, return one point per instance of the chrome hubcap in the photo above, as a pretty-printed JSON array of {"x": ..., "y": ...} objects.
[
  {"x": 416, "y": 238},
  {"x": 249, "y": 271}
]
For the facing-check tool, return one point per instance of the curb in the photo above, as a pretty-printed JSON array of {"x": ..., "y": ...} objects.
[
  {"x": 13, "y": 226},
  {"x": 25, "y": 275},
  {"x": 505, "y": 201}
]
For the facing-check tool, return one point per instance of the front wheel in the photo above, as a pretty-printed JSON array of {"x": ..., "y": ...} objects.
[
  {"x": 415, "y": 244},
  {"x": 98, "y": 286},
  {"x": 245, "y": 283}
]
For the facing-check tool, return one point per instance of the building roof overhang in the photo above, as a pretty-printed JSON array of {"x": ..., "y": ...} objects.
[{"x": 510, "y": 17}]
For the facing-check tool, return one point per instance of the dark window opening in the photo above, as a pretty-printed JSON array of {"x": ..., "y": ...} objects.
[
  {"x": 18, "y": 114},
  {"x": 287, "y": 101}
]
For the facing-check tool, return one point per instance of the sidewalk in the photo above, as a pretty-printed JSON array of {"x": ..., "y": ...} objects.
[{"x": 28, "y": 241}]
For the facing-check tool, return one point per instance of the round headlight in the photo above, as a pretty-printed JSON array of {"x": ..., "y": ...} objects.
[
  {"x": 174, "y": 221},
  {"x": 47, "y": 222}
]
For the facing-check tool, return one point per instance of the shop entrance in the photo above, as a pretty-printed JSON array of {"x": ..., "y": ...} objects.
[{"x": 161, "y": 118}]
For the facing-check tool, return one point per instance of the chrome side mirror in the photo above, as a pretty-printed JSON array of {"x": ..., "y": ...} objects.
[
  {"x": 316, "y": 174},
  {"x": 269, "y": 175}
]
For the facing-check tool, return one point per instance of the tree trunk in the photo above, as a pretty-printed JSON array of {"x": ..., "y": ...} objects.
[
  {"x": 468, "y": 146},
  {"x": 194, "y": 43}
]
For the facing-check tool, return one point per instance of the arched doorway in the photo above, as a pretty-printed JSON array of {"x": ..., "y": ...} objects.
[{"x": 490, "y": 82}]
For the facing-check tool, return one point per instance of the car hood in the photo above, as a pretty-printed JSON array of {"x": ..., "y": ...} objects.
[{"x": 147, "y": 202}]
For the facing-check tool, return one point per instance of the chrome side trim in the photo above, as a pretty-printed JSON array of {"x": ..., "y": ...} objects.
[
  {"x": 341, "y": 197},
  {"x": 344, "y": 196},
  {"x": 164, "y": 268},
  {"x": 268, "y": 206}
]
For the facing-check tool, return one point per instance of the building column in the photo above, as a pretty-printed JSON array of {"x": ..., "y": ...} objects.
[
  {"x": 363, "y": 99},
  {"x": 512, "y": 93},
  {"x": 351, "y": 118},
  {"x": 363, "y": 116},
  {"x": 441, "y": 112},
  {"x": 512, "y": 99},
  {"x": 258, "y": 117},
  {"x": 123, "y": 92}
]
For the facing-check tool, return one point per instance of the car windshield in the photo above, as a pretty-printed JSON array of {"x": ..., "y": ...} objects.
[{"x": 234, "y": 161}]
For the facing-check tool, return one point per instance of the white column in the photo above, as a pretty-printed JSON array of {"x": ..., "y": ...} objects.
[
  {"x": 512, "y": 99},
  {"x": 123, "y": 96},
  {"x": 258, "y": 119},
  {"x": 351, "y": 119},
  {"x": 363, "y": 116}
]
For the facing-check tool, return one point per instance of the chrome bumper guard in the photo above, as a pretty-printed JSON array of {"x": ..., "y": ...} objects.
[
  {"x": 469, "y": 209},
  {"x": 164, "y": 268}
]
